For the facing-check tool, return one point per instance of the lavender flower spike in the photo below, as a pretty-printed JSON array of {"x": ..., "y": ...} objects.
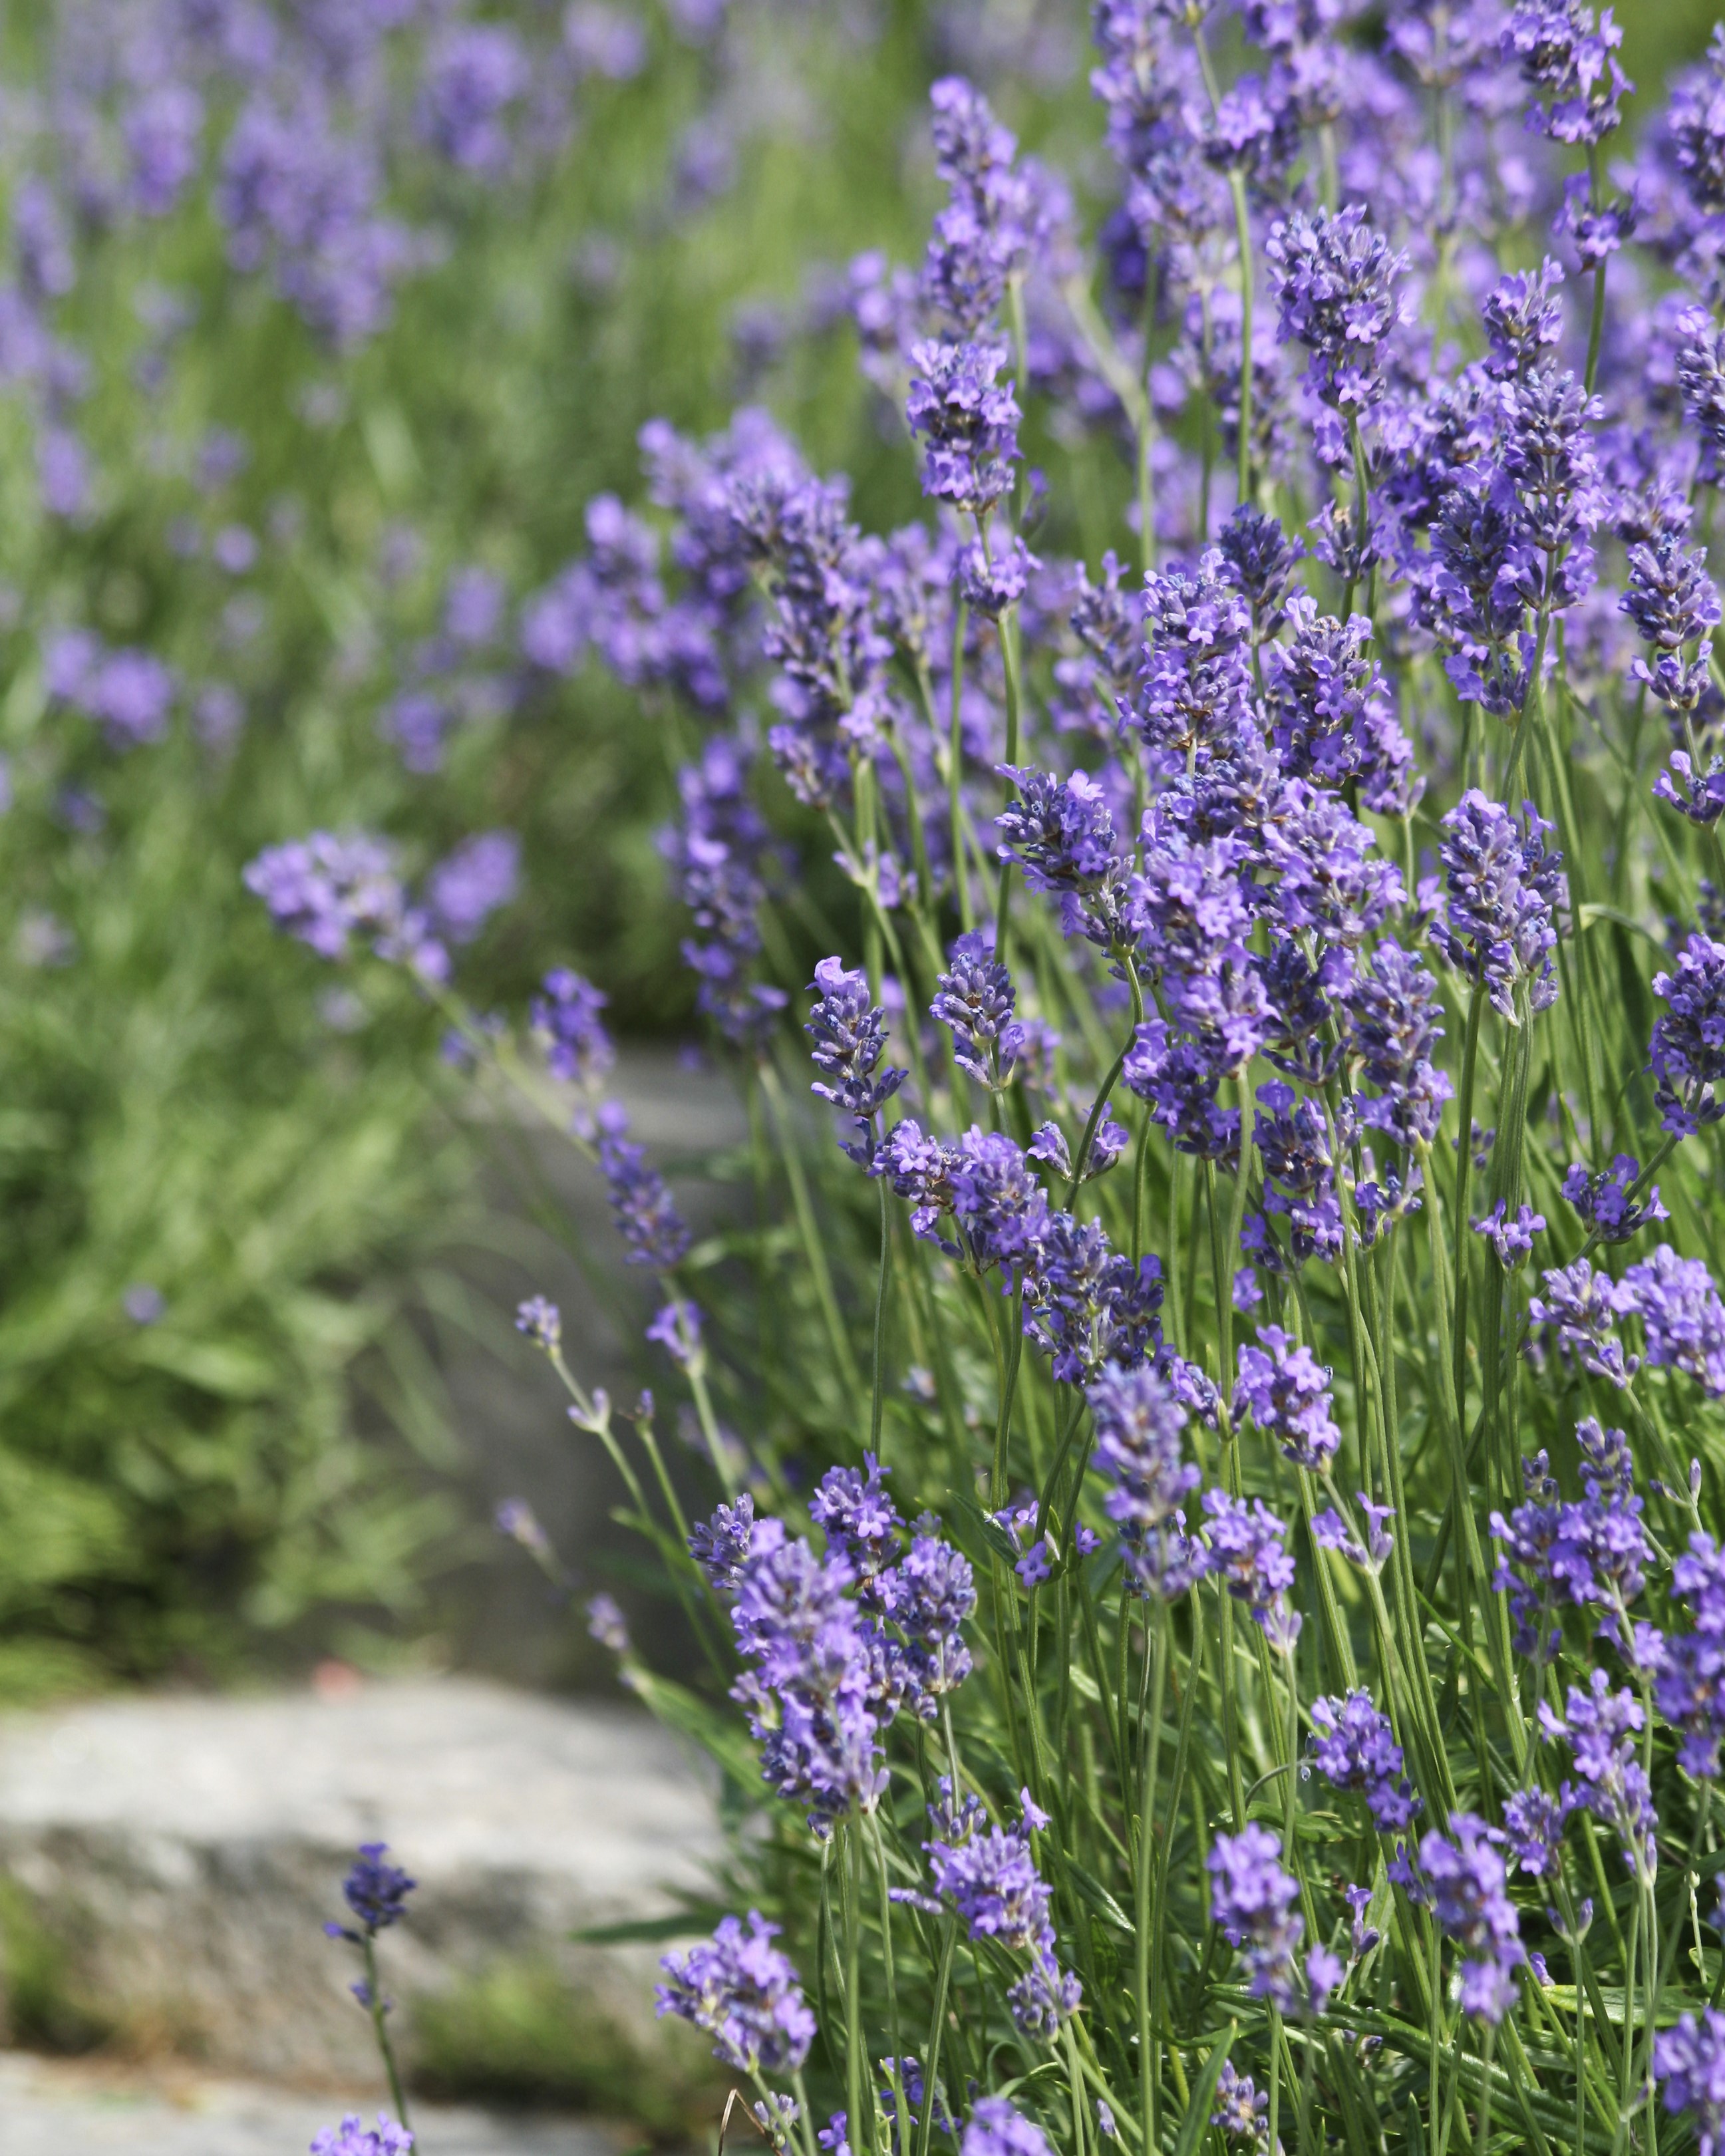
[
  {"x": 1503, "y": 886},
  {"x": 740, "y": 1989},
  {"x": 845, "y": 1025},
  {"x": 1687, "y": 1051},
  {"x": 1285, "y": 1391}
]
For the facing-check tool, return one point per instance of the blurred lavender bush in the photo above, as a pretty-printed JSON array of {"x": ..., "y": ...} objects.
[{"x": 320, "y": 324}]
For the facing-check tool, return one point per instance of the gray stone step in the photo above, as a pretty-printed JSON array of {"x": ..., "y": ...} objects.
[
  {"x": 48, "y": 2107},
  {"x": 174, "y": 1859}
]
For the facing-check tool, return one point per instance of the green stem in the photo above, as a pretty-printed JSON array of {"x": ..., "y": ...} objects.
[
  {"x": 937, "y": 2029},
  {"x": 813, "y": 1248},
  {"x": 860, "y": 2137},
  {"x": 900, "y": 2116},
  {"x": 378, "y": 2011},
  {"x": 1149, "y": 2058}
]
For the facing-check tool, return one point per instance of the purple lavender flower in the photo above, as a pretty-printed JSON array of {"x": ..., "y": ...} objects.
[
  {"x": 1329, "y": 710},
  {"x": 1330, "y": 884},
  {"x": 1689, "y": 1686},
  {"x": 607, "y": 1624},
  {"x": 1246, "y": 1549},
  {"x": 1701, "y": 379},
  {"x": 1503, "y": 884},
  {"x": 376, "y": 1891},
  {"x": 745, "y": 1995},
  {"x": 516, "y": 1521},
  {"x": 1254, "y": 1902},
  {"x": 721, "y": 1546},
  {"x": 1687, "y": 1050},
  {"x": 1603, "y": 1200},
  {"x": 1087, "y": 1304},
  {"x": 989, "y": 583},
  {"x": 1533, "y": 1829},
  {"x": 1392, "y": 1032},
  {"x": 1285, "y": 1391},
  {"x": 1673, "y": 603},
  {"x": 1179, "y": 1078},
  {"x": 999, "y": 1204},
  {"x": 1689, "y": 2059},
  {"x": 1582, "y": 1307},
  {"x": 1682, "y": 1316},
  {"x": 1464, "y": 1878},
  {"x": 474, "y": 72},
  {"x": 1195, "y": 689},
  {"x": 1262, "y": 559},
  {"x": 1511, "y": 1241},
  {"x": 351, "y": 2138},
  {"x": 325, "y": 890},
  {"x": 1060, "y": 834},
  {"x": 1571, "y": 64},
  {"x": 641, "y": 1205},
  {"x": 991, "y": 1879},
  {"x": 1293, "y": 1141},
  {"x": 1333, "y": 279},
  {"x": 1138, "y": 1424},
  {"x": 1242, "y": 2109},
  {"x": 1524, "y": 318},
  {"x": 845, "y": 1025},
  {"x": 129, "y": 691},
  {"x": 1354, "y": 1746},
  {"x": 817, "y": 1677},
  {"x": 995, "y": 215},
  {"x": 1482, "y": 573},
  {"x": 969, "y": 422},
  {"x": 1695, "y": 121},
  {"x": 566, "y": 1019},
  {"x": 542, "y": 1322},
  {"x": 931, "y": 1596},
  {"x": 721, "y": 855},
  {"x": 463, "y": 890},
  {"x": 676, "y": 1328},
  {"x": 859, "y": 1519},
  {"x": 977, "y": 999},
  {"x": 995, "y": 2128},
  {"x": 1599, "y": 1727}
]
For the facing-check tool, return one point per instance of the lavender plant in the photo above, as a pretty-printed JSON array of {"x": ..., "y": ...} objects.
[{"x": 1228, "y": 1634}]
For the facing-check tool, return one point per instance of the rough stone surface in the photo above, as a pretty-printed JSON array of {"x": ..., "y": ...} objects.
[
  {"x": 48, "y": 2109},
  {"x": 183, "y": 1853}
]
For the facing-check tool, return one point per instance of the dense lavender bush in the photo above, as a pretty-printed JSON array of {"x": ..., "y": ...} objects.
[{"x": 1225, "y": 1606}]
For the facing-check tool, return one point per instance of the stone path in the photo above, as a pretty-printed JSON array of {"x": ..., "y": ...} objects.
[{"x": 52, "y": 2108}]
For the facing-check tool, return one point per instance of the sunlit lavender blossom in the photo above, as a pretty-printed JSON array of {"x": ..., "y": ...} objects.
[
  {"x": 1687, "y": 1050},
  {"x": 1582, "y": 1307},
  {"x": 1354, "y": 1746},
  {"x": 1246, "y": 1549},
  {"x": 1463, "y": 1877},
  {"x": 565, "y": 1017},
  {"x": 1600, "y": 1727},
  {"x": 1285, "y": 1391},
  {"x": 1604, "y": 1201},
  {"x": 976, "y": 999},
  {"x": 1512, "y": 1240},
  {"x": 1254, "y": 1901},
  {"x": 969, "y": 421},
  {"x": 745, "y": 1995},
  {"x": 1501, "y": 885}
]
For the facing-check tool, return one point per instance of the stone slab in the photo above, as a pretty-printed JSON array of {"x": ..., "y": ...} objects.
[
  {"x": 48, "y": 2107},
  {"x": 182, "y": 1853}
]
